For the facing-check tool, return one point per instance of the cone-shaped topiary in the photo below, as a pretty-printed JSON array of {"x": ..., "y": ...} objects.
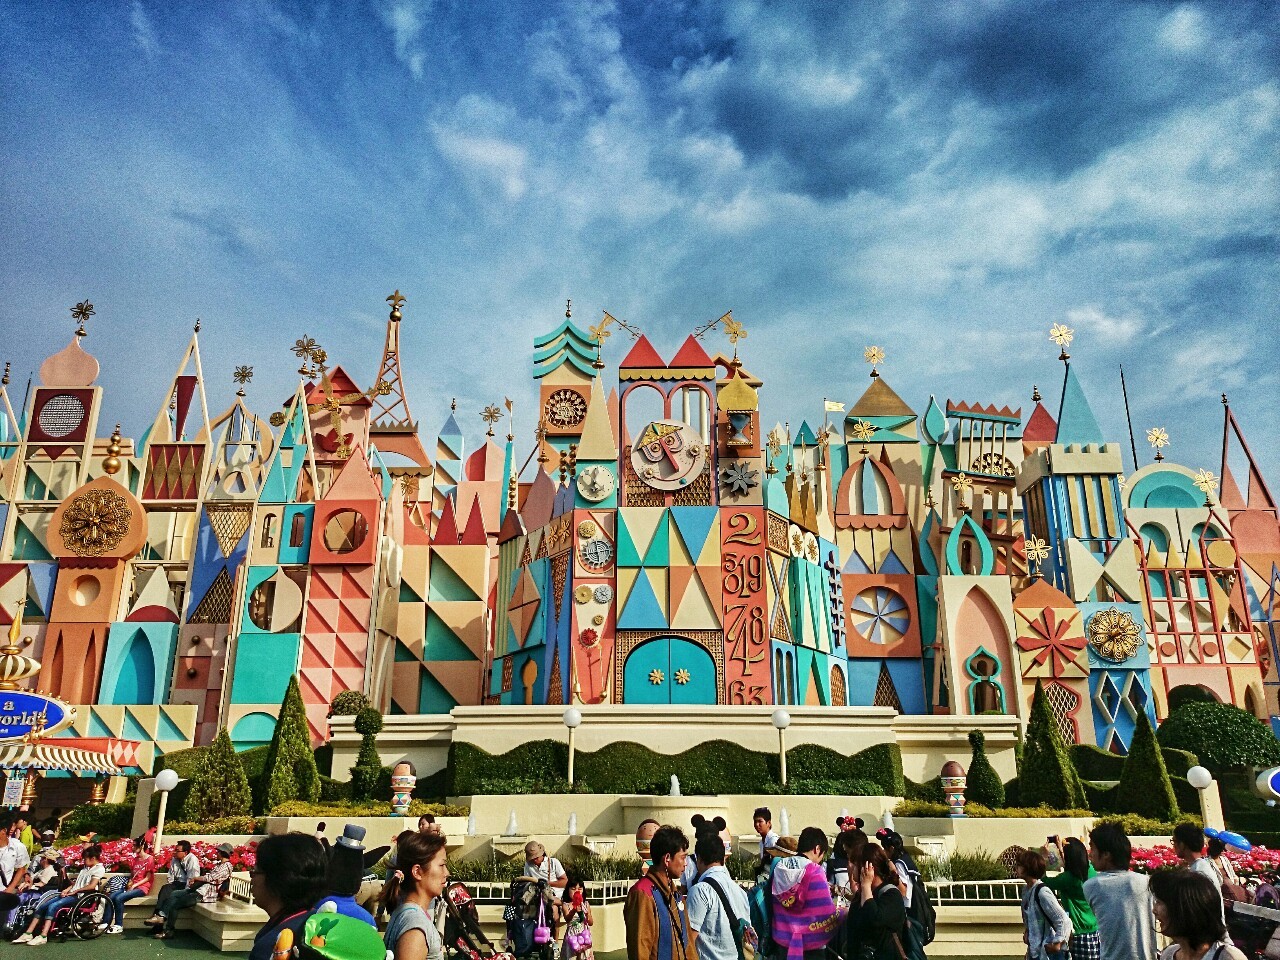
[
  {"x": 984, "y": 785},
  {"x": 220, "y": 787},
  {"x": 1145, "y": 788},
  {"x": 1047, "y": 776},
  {"x": 290, "y": 768},
  {"x": 368, "y": 768}
]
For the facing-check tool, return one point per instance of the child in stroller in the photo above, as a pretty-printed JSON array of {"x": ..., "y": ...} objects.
[
  {"x": 463, "y": 936},
  {"x": 528, "y": 916}
]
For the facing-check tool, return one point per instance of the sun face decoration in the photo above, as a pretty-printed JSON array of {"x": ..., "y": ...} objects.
[
  {"x": 1114, "y": 635},
  {"x": 95, "y": 522}
]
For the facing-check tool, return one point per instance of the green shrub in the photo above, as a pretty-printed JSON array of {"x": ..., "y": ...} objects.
[
  {"x": 220, "y": 788},
  {"x": 1137, "y": 826},
  {"x": 111, "y": 820},
  {"x": 833, "y": 788},
  {"x": 984, "y": 784},
  {"x": 299, "y": 808},
  {"x": 291, "y": 772},
  {"x": 348, "y": 703},
  {"x": 1221, "y": 735},
  {"x": 1100, "y": 799},
  {"x": 1094, "y": 763},
  {"x": 592, "y": 867},
  {"x": 924, "y": 808},
  {"x": 1144, "y": 786},
  {"x": 332, "y": 790},
  {"x": 368, "y": 769},
  {"x": 742, "y": 866},
  {"x": 1187, "y": 796},
  {"x": 1178, "y": 762},
  {"x": 1186, "y": 693},
  {"x": 324, "y": 759},
  {"x": 1047, "y": 776},
  {"x": 495, "y": 869},
  {"x": 1012, "y": 793},
  {"x": 975, "y": 865},
  {"x": 221, "y": 825},
  {"x": 930, "y": 791}
]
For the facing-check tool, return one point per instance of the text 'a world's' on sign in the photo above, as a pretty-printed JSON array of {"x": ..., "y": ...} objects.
[{"x": 24, "y": 714}]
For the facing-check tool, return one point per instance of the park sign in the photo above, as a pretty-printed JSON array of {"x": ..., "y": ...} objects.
[{"x": 28, "y": 716}]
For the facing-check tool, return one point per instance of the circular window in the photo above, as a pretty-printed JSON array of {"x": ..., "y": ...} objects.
[
  {"x": 61, "y": 415},
  {"x": 85, "y": 590},
  {"x": 345, "y": 531},
  {"x": 566, "y": 408}
]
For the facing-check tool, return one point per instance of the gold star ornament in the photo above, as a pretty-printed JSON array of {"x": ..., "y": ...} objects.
[
  {"x": 682, "y": 676},
  {"x": 656, "y": 677}
]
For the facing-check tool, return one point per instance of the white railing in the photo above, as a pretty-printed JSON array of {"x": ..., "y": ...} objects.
[
  {"x": 599, "y": 892},
  {"x": 240, "y": 887},
  {"x": 976, "y": 893}
]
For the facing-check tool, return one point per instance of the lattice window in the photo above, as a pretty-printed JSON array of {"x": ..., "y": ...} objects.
[
  {"x": 886, "y": 692},
  {"x": 508, "y": 667},
  {"x": 216, "y": 605},
  {"x": 839, "y": 695},
  {"x": 1064, "y": 703},
  {"x": 555, "y": 690}
]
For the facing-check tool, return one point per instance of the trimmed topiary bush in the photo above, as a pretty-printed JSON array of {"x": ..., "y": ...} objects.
[
  {"x": 220, "y": 788},
  {"x": 1094, "y": 763},
  {"x": 1186, "y": 693},
  {"x": 368, "y": 769},
  {"x": 984, "y": 785},
  {"x": 110, "y": 820},
  {"x": 1047, "y": 776},
  {"x": 1144, "y": 786},
  {"x": 290, "y": 765},
  {"x": 348, "y": 703},
  {"x": 1221, "y": 735}
]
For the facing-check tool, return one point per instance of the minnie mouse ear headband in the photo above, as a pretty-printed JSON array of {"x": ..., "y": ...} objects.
[
  {"x": 849, "y": 823},
  {"x": 702, "y": 825},
  {"x": 888, "y": 837}
]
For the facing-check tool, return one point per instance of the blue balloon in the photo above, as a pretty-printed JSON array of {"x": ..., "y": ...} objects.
[{"x": 1235, "y": 840}]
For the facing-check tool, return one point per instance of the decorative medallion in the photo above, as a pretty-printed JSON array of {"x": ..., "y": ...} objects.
[
  {"x": 669, "y": 455},
  {"x": 656, "y": 676},
  {"x": 603, "y": 593},
  {"x": 566, "y": 408},
  {"x": 880, "y": 615},
  {"x": 795, "y": 540},
  {"x": 682, "y": 676},
  {"x": 596, "y": 554},
  {"x": 61, "y": 415},
  {"x": 738, "y": 478},
  {"x": 95, "y": 522},
  {"x": 993, "y": 465},
  {"x": 588, "y": 638},
  {"x": 598, "y": 619},
  {"x": 1114, "y": 635},
  {"x": 596, "y": 483},
  {"x": 582, "y": 594},
  {"x": 587, "y": 529},
  {"x": 810, "y": 547}
]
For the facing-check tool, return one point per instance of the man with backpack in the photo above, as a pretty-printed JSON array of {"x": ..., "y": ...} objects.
[
  {"x": 921, "y": 915},
  {"x": 719, "y": 914},
  {"x": 654, "y": 918}
]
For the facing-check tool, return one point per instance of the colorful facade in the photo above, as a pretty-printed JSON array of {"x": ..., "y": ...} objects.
[{"x": 656, "y": 544}]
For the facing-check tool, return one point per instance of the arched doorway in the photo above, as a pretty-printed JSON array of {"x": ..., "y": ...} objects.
[{"x": 669, "y": 670}]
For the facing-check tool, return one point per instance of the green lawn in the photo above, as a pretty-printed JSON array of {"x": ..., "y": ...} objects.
[{"x": 130, "y": 945}]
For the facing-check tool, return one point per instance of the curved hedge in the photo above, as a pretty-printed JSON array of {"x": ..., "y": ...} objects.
[
  {"x": 1221, "y": 735},
  {"x": 715, "y": 767}
]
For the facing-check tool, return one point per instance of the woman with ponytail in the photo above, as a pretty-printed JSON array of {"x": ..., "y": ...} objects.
[{"x": 419, "y": 877}]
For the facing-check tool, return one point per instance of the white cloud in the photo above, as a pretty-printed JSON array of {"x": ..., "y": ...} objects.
[
  {"x": 405, "y": 19},
  {"x": 1093, "y": 320},
  {"x": 485, "y": 161},
  {"x": 1184, "y": 30},
  {"x": 144, "y": 34}
]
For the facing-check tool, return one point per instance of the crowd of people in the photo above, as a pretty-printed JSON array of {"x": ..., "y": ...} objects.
[{"x": 860, "y": 897}]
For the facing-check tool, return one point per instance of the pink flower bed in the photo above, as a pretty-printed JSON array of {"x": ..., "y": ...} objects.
[
  {"x": 1255, "y": 863},
  {"x": 120, "y": 853}
]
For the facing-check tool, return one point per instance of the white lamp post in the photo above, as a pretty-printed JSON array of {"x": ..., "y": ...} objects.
[
  {"x": 166, "y": 780},
  {"x": 782, "y": 720},
  {"x": 572, "y": 719},
  {"x": 1210, "y": 799}
]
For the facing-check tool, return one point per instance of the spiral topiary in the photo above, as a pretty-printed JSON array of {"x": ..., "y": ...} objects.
[{"x": 984, "y": 785}]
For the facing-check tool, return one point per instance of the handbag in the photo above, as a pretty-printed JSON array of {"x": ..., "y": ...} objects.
[
  {"x": 542, "y": 932},
  {"x": 578, "y": 938}
]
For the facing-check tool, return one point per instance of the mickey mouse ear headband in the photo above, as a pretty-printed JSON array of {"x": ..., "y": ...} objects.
[{"x": 849, "y": 823}]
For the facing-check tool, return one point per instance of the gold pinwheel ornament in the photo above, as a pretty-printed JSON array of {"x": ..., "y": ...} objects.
[
  {"x": 862, "y": 432},
  {"x": 490, "y": 415},
  {"x": 1062, "y": 335},
  {"x": 1158, "y": 437},
  {"x": 1208, "y": 485},
  {"x": 81, "y": 313},
  {"x": 1037, "y": 553},
  {"x": 875, "y": 356}
]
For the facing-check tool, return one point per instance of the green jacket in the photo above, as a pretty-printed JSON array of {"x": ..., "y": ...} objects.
[{"x": 1069, "y": 889}]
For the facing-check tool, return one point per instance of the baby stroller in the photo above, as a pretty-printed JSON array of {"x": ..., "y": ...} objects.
[
  {"x": 463, "y": 936},
  {"x": 528, "y": 923}
]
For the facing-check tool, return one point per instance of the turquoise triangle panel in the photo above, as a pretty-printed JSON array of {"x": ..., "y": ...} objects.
[
  {"x": 628, "y": 556},
  {"x": 133, "y": 729},
  {"x": 166, "y": 729},
  {"x": 432, "y": 696},
  {"x": 99, "y": 729},
  {"x": 408, "y": 594},
  {"x": 659, "y": 552},
  {"x": 1076, "y": 422},
  {"x": 642, "y": 612},
  {"x": 694, "y": 525},
  {"x": 441, "y": 643},
  {"x": 444, "y": 584}
]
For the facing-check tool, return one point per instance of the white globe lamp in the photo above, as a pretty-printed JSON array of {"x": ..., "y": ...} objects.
[
  {"x": 166, "y": 780},
  {"x": 782, "y": 720},
  {"x": 572, "y": 719}
]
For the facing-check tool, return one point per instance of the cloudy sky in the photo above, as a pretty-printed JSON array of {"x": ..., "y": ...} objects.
[{"x": 944, "y": 180}]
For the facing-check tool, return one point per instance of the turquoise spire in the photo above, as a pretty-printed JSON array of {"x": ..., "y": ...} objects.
[{"x": 1076, "y": 422}]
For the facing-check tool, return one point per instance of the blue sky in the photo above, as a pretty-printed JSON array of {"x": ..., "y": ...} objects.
[{"x": 944, "y": 180}]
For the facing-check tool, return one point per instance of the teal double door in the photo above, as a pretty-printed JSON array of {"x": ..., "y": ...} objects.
[{"x": 669, "y": 670}]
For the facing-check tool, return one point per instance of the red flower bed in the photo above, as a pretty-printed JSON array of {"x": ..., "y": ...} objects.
[
  {"x": 1255, "y": 863},
  {"x": 120, "y": 853}
]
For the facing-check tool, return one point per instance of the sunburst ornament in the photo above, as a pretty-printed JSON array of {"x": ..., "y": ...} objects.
[
  {"x": 1037, "y": 553},
  {"x": 1062, "y": 335},
  {"x": 80, "y": 313},
  {"x": 1114, "y": 635},
  {"x": 961, "y": 483},
  {"x": 490, "y": 415},
  {"x": 683, "y": 676},
  {"x": 656, "y": 677},
  {"x": 875, "y": 356},
  {"x": 862, "y": 432},
  {"x": 1207, "y": 483},
  {"x": 1158, "y": 437}
]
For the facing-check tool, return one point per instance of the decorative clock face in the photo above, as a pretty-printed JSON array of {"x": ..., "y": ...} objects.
[
  {"x": 566, "y": 408},
  {"x": 595, "y": 483},
  {"x": 597, "y": 554},
  {"x": 669, "y": 455}
]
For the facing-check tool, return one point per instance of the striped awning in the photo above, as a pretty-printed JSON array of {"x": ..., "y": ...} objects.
[{"x": 50, "y": 755}]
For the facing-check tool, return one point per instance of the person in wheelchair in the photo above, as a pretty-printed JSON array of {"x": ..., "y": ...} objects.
[{"x": 86, "y": 881}]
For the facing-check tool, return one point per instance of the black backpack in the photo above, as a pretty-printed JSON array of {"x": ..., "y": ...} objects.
[{"x": 922, "y": 910}]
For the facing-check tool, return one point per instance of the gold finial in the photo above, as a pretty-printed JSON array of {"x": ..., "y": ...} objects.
[
  {"x": 863, "y": 432},
  {"x": 111, "y": 465},
  {"x": 14, "y": 667},
  {"x": 1035, "y": 394},
  {"x": 1037, "y": 553},
  {"x": 512, "y": 488},
  {"x": 397, "y": 301},
  {"x": 453, "y": 404},
  {"x": 242, "y": 375},
  {"x": 564, "y": 467},
  {"x": 490, "y": 415},
  {"x": 1224, "y": 400},
  {"x": 962, "y": 485},
  {"x": 80, "y": 313},
  {"x": 312, "y": 356},
  {"x": 1062, "y": 335},
  {"x": 929, "y": 502},
  {"x": 774, "y": 445},
  {"x": 568, "y": 309},
  {"x": 4, "y": 381},
  {"x": 511, "y": 418},
  {"x": 1207, "y": 483},
  {"x": 278, "y": 418},
  {"x": 197, "y": 327},
  {"x": 874, "y": 356},
  {"x": 540, "y": 434},
  {"x": 1158, "y": 437},
  {"x": 735, "y": 331}
]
